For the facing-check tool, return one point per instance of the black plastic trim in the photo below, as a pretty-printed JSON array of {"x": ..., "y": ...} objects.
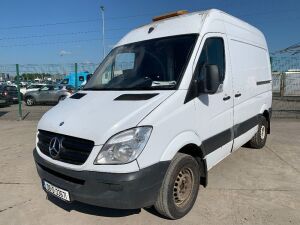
[
  {"x": 263, "y": 82},
  {"x": 63, "y": 176},
  {"x": 245, "y": 126},
  {"x": 73, "y": 150},
  {"x": 135, "y": 97},
  {"x": 213, "y": 143},
  {"x": 78, "y": 95},
  {"x": 113, "y": 190}
]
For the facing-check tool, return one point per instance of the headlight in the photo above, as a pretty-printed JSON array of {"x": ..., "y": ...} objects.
[{"x": 124, "y": 147}]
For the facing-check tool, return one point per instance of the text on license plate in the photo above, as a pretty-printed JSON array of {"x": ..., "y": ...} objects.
[{"x": 56, "y": 191}]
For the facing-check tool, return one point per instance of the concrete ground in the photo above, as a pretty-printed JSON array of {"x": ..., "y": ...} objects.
[
  {"x": 28, "y": 112},
  {"x": 249, "y": 187}
]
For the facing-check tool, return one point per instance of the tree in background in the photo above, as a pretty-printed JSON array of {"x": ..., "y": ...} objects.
[{"x": 33, "y": 76}]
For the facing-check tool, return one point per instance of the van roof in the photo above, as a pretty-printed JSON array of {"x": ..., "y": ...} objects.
[{"x": 187, "y": 24}]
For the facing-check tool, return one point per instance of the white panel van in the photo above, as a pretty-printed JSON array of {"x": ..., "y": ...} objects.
[{"x": 171, "y": 100}]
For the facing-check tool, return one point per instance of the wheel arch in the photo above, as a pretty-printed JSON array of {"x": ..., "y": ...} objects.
[
  {"x": 62, "y": 96},
  {"x": 29, "y": 96},
  {"x": 188, "y": 143},
  {"x": 198, "y": 153},
  {"x": 267, "y": 113}
]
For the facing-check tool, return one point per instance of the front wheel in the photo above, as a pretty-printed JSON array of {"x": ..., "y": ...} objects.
[
  {"x": 180, "y": 187},
  {"x": 29, "y": 101}
]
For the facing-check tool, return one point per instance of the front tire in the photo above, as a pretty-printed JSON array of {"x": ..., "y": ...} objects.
[
  {"x": 259, "y": 139},
  {"x": 180, "y": 187},
  {"x": 29, "y": 101}
]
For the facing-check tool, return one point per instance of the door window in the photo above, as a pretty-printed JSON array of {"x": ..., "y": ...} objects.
[
  {"x": 212, "y": 54},
  {"x": 45, "y": 88}
]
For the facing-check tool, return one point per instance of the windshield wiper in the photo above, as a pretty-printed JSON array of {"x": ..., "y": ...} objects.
[{"x": 163, "y": 83}]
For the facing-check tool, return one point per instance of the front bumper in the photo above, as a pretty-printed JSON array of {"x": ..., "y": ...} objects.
[{"x": 112, "y": 190}]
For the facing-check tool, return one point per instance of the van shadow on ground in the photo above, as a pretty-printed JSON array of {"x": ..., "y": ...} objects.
[
  {"x": 99, "y": 211},
  {"x": 92, "y": 210}
]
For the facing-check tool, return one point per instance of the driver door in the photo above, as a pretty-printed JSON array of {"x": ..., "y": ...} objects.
[
  {"x": 44, "y": 95},
  {"x": 215, "y": 111}
]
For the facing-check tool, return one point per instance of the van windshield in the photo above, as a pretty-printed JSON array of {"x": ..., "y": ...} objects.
[{"x": 147, "y": 65}]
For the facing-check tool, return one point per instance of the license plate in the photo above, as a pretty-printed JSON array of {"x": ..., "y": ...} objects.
[
  {"x": 58, "y": 192},
  {"x": 2, "y": 101}
]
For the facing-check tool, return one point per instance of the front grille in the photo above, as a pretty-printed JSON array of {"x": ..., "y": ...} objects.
[{"x": 73, "y": 150}]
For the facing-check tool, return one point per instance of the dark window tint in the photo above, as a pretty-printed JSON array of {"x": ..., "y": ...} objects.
[
  {"x": 88, "y": 76},
  {"x": 212, "y": 53},
  {"x": 81, "y": 78}
]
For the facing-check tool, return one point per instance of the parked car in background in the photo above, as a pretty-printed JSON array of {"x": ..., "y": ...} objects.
[
  {"x": 4, "y": 101},
  {"x": 32, "y": 87},
  {"x": 46, "y": 94},
  {"x": 11, "y": 92}
]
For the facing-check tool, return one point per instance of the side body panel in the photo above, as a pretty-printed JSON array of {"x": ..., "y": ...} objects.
[
  {"x": 251, "y": 81},
  {"x": 174, "y": 127},
  {"x": 43, "y": 96}
]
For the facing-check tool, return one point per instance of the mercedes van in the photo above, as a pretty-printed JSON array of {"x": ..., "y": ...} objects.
[{"x": 171, "y": 100}]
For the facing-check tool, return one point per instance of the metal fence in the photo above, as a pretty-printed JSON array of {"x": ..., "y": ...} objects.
[
  {"x": 286, "y": 75},
  {"x": 286, "y": 83},
  {"x": 285, "y": 63},
  {"x": 52, "y": 69}
]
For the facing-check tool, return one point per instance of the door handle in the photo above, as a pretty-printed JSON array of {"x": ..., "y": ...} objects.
[
  {"x": 226, "y": 98},
  {"x": 237, "y": 95}
]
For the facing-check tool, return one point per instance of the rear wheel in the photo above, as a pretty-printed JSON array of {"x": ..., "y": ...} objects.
[
  {"x": 29, "y": 101},
  {"x": 180, "y": 187},
  {"x": 259, "y": 139}
]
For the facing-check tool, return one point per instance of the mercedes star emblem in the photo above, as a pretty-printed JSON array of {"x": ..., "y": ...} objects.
[{"x": 54, "y": 147}]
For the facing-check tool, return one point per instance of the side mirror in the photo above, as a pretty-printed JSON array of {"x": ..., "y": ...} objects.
[{"x": 211, "y": 80}]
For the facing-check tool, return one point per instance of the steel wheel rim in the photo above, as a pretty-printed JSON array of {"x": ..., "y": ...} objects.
[
  {"x": 183, "y": 186},
  {"x": 262, "y": 132}
]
